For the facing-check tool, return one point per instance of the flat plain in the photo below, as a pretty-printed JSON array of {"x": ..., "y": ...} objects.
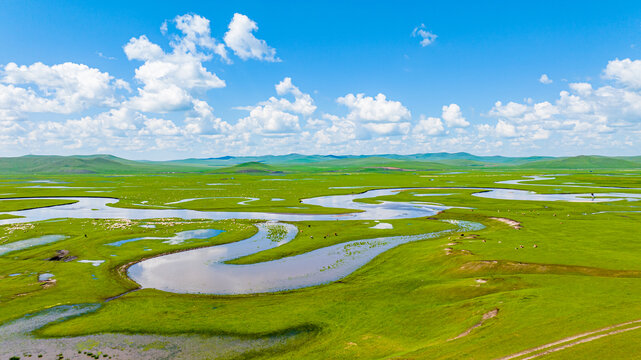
[{"x": 540, "y": 277}]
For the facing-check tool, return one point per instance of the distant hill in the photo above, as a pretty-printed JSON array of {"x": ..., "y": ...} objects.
[
  {"x": 227, "y": 161},
  {"x": 463, "y": 156},
  {"x": 108, "y": 164},
  {"x": 297, "y": 159},
  {"x": 375, "y": 163},
  {"x": 251, "y": 167},
  {"x": 584, "y": 162},
  {"x": 79, "y": 164}
]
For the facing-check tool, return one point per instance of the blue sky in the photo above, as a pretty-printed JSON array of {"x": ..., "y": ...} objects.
[{"x": 103, "y": 77}]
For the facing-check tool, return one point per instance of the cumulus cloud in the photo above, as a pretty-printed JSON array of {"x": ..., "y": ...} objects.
[
  {"x": 87, "y": 131},
  {"x": 201, "y": 121},
  {"x": 368, "y": 118},
  {"x": 161, "y": 127},
  {"x": 626, "y": 72},
  {"x": 385, "y": 129},
  {"x": 142, "y": 49},
  {"x": 303, "y": 103},
  {"x": 373, "y": 109},
  {"x": 240, "y": 38},
  {"x": 453, "y": 116},
  {"x": 279, "y": 115},
  {"x": 169, "y": 80},
  {"x": 544, "y": 79},
  {"x": 581, "y": 114},
  {"x": 167, "y": 108},
  {"x": 341, "y": 131},
  {"x": 268, "y": 119},
  {"x": 429, "y": 126},
  {"x": 505, "y": 129},
  {"x": 197, "y": 33},
  {"x": 62, "y": 88},
  {"x": 427, "y": 37}
]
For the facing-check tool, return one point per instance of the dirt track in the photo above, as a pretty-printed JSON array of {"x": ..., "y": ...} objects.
[{"x": 574, "y": 340}]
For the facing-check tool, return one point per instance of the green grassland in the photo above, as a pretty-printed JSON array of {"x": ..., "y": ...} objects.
[{"x": 566, "y": 271}]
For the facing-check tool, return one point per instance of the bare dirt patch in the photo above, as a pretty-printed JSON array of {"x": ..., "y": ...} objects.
[
  {"x": 488, "y": 315},
  {"x": 513, "y": 267},
  {"x": 513, "y": 223}
]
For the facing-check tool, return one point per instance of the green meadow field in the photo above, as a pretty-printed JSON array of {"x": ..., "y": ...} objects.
[{"x": 548, "y": 279}]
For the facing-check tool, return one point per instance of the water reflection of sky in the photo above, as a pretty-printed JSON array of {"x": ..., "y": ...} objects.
[
  {"x": 204, "y": 270},
  {"x": 178, "y": 238},
  {"x": 25, "y": 244}
]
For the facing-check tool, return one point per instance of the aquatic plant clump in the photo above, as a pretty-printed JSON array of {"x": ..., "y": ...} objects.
[{"x": 276, "y": 233}]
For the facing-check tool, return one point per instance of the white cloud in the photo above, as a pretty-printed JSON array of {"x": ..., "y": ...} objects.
[
  {"x": 626, "y": 72},
  {"x": 303, "y": 103},
  {"x": 156, "y": 98},
  {"x": 142, "y": 49},
  {"x": 197, "y": 33},
  {"x": 340, "y": 132},
  {"x": 278, "y": 115},
  {"x": 583, "y": 89},
  {"x": 511, "y": 110},
  {"x": 368, "y": 118},
  {"x": 286, "y": 87},
  {"x": 453, "y": 116},
  {"x": 100, "y": 54},
  {"x": 427, "y": 37},
  {"x": 168, "y": 111},
  {"x": 268, "y": 119},
  {"x": 429, "y": 126},
  {"x": 241, "y": 40},
  {"x": 16, "y": 100},
  {"x": 373, "y": 109},
  {"x": 544, "y": 79},
  {"x": 385, "y": 129},
  {"x": 116, "y": 126},
  {"x": 505, "y": 129},
  {"x": 160, "y": 127},
  {"x": 169, "y": 80},
  {"x": 203, "y": 122},
  {"x": 61, "y": 88},
  {"x": 581, "y": 115}
]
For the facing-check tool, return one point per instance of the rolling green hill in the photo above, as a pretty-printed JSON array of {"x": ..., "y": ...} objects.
[
  {"x": 583, "y": 162},
  {"x": 375, "y": 163},
  {"x": 90, "y": 164},
  {"x": 248, "y": 168},
  {"x": 108, "y": 164}
]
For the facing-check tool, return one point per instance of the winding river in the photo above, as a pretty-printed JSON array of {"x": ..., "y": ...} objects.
[{"x": 206, "y": 271}]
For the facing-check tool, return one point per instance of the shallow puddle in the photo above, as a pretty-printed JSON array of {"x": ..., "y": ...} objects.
[
  {"x": 177, "y": 239},
  {"x": 26, "y": 244},
  {"x": 45, "y": 276},
  {"x": 92, "y": 262}
]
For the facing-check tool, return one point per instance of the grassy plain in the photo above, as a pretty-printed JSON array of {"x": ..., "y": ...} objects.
[{"x": 569, "y": 269}]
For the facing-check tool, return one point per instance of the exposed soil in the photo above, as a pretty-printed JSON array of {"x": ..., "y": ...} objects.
[
  {"x": 513, "y": 223},
  {"x": 513, "y": 267},
  {"x": 488, "y": 315}
]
